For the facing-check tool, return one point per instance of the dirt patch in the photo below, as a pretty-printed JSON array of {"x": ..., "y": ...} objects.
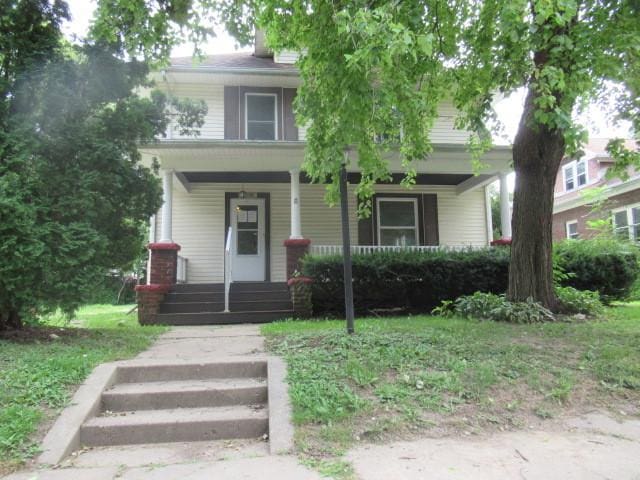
[{"x": 42, "y": 334}]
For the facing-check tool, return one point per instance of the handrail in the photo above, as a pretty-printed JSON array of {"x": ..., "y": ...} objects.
[{"x": 228, "y": 269}]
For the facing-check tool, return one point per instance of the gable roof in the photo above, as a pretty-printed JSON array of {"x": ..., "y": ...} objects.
[{"x": 231, "y": 61}]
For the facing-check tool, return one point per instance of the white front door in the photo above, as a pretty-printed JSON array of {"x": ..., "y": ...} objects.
[{"x": 249, "y": 252}]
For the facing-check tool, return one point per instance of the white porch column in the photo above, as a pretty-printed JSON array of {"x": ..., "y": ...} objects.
[
  {"x": 505, "y": 209},
  {"x": 296, "y": 225},
  {"x": 167, "y": 197}
]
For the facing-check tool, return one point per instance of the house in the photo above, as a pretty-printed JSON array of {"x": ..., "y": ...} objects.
[
  {"x": 238, "y": 213},
  {"x": 584, "y": 194}
]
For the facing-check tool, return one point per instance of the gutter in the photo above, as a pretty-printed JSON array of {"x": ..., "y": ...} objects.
[{"x": 235, "y": 70}]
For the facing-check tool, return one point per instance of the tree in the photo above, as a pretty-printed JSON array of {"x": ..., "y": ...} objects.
[
  {"x": 378, "y": 70},
  {"x": 74, "y": 198}
]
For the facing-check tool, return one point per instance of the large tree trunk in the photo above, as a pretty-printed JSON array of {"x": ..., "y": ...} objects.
[
  {"x": 10, "y": 320},
  {"x": 537, "y": 153}
]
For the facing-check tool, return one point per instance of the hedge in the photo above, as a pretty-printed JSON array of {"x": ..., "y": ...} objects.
[
  {"x": 605, "y": 265},
  {"x": 413, "y": 281},
  {"x": 420, "y": 281}
]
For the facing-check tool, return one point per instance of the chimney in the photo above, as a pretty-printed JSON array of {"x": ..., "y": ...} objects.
[{"x": 260, "y": 48}]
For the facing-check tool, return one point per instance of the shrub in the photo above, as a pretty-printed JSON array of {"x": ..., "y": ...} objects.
[
  {"x": 579, "y": 301},
  {"x": 489, "y": 306},
  {"x": 415, "y": 281},
  {"x": 605, "y": 265}
]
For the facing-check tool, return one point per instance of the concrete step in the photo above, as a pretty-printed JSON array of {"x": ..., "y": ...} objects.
[
  {"x": 235, "y": 287},
  {"x": 255, "y": 369},
  {"x": 221, "y": 318},
  {"x": 218, "y": 297},
  {"x": 185, "y": 394},
  {"x": 234, "y": 306},
  {"x": 175, "y": 425},
  {"x": 198, "y": 287}
]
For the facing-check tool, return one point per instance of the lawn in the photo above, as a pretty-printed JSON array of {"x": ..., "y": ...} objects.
[
  {"x": 40, "y": 368},
  {"x": 433, "y": 376}
]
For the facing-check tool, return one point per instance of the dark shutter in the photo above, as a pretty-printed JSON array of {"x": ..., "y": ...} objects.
[
  {"x": 290, "y": 128},
  {"x": 365, "y": 231},
  {"x": 430, "y": 218},
  {"x": 231, "y": 113}
]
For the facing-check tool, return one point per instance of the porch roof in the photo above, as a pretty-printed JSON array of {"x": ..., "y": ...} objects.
[{"x": 205, "y": 155}]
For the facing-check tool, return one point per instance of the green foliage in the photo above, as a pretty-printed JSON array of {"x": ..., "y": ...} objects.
[
  {"x": 602, "y": 264},
  {"x": 579, "y": 301},
  {"x": 74, "y": 197},
  {"x": 38, "y": 375},
  {"x": 417, "y": 281},
  {"x": 489, "y": 306}
]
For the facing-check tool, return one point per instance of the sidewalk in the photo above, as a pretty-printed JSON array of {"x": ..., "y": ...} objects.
[{"x": 225, "y": 459}]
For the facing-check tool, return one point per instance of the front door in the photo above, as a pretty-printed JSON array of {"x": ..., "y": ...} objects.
[{"x": 249, "y": 252}]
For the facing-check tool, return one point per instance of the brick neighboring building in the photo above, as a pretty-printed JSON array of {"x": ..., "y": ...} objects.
[{"x": 573, "y": 207}]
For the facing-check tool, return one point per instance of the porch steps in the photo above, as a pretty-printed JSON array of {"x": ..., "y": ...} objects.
[
  {"x": 203, "y": 304},
  {"x": 182, "y": 403}
]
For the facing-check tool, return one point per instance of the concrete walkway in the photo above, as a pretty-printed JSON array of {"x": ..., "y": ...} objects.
[{"x": 224, "y": 459}]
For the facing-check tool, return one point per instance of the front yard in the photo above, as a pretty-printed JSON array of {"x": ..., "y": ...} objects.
[
  {"x": 40, "y": 367},
  {"x": 433, "y": 376}
]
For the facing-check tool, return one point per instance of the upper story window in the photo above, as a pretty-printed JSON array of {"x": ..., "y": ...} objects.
[
  {"x": 397, "y": 221},
  {"x": 260, "y": 116},
  {"x": 575, "y": 175},
  {"x": 626, "y": 222},
  {"x": 572, "y": 229}
]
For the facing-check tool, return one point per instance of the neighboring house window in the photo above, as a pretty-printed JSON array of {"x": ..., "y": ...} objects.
[
  {"x": 575, "y": 175},
  {"x": 260, "y": 115},
  {"x": 626, "y": 222},
  {"x": 572, "y": 229},
  {"x": 397, "y": 221}
]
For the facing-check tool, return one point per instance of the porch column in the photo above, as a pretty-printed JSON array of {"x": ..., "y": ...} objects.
[
  {"x": 505, "y": 210},
  {"x": 296, "y": 228},
  {"x": 167, "y": 197}
]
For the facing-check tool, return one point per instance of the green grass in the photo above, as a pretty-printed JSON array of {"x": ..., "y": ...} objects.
[
  {"x": 38, "y": 375},
  {"x": 399, "y": 375}
]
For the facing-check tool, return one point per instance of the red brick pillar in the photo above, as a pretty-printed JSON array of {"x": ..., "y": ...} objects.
[
  {"x": 296, "y": 249},
  {"x": 149, "y": 298},
  {"x": 162, "y": 275},
  {"x": 164, "y": 263}
]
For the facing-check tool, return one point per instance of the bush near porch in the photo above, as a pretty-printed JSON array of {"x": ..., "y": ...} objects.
[
  {"x": 418, "y": 281},
  {"x": 413, "y": 281}
]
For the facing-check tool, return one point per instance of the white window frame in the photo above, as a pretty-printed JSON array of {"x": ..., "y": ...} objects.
[
  {"x": 275, "y": 113},
  {"x": 573, "y": 168},
  {"x": 567, "y": 231},
  {"x": 628, "y": 209},
  {"x": 416, "y": 226}
]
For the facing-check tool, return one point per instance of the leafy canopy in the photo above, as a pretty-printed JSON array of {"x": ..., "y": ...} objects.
[
  {"x": 374, "y": 73},
  {"x": 73, "y": 196}
]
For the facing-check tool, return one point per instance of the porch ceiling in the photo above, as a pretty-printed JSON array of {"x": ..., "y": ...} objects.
[{"x": 199, "y": 156}]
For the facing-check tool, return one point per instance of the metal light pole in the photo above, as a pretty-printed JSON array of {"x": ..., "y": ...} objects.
[{"x": 346, "y": 250}]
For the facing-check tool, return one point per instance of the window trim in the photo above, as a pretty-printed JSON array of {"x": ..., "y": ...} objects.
[
  {"x": 628, "y": 209},
  {"x": 275, "y": 114},
  {"x": 567, "y": 224},
  {"x": 573, "y": 167},
  {"x": 416, "y": 226}
]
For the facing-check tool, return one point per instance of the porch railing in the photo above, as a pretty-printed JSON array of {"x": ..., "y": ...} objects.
[
  {"x": 228, "y": 268},
  {"x": 181, "y": 273},
  {"x": 368, "y": 249}
]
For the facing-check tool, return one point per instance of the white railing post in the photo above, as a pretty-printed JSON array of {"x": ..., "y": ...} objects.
[{"x": 228, "y": 269}]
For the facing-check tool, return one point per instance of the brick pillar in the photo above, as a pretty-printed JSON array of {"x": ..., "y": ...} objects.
[
  {"x": 149, "y": 298},
  {"x": 164, "y": 263},
  {"x": 162, "y": 275},
  {"x": 296, "y": 249},
  {"x": 300, "y": 288}
]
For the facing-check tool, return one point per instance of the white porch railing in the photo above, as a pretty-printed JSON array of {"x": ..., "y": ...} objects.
[
  {"x": 228, "y": 268},
  {"x": 181, "y": 273},
  {"x": 368, "y": 249}
]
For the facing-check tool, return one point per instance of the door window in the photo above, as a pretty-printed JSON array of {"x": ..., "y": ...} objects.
[{"x": 247, "y": 226}]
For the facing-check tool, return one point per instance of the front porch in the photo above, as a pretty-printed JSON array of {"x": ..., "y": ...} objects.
[{"x": 234, "y": 224}]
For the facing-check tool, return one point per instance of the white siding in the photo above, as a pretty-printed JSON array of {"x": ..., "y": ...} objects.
[
  {"x": 443, "y": 130},
  {"x": 213, "y": 95},
  {"x": 285, "y": 56},
  {"x": 198, "y": 222}
]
